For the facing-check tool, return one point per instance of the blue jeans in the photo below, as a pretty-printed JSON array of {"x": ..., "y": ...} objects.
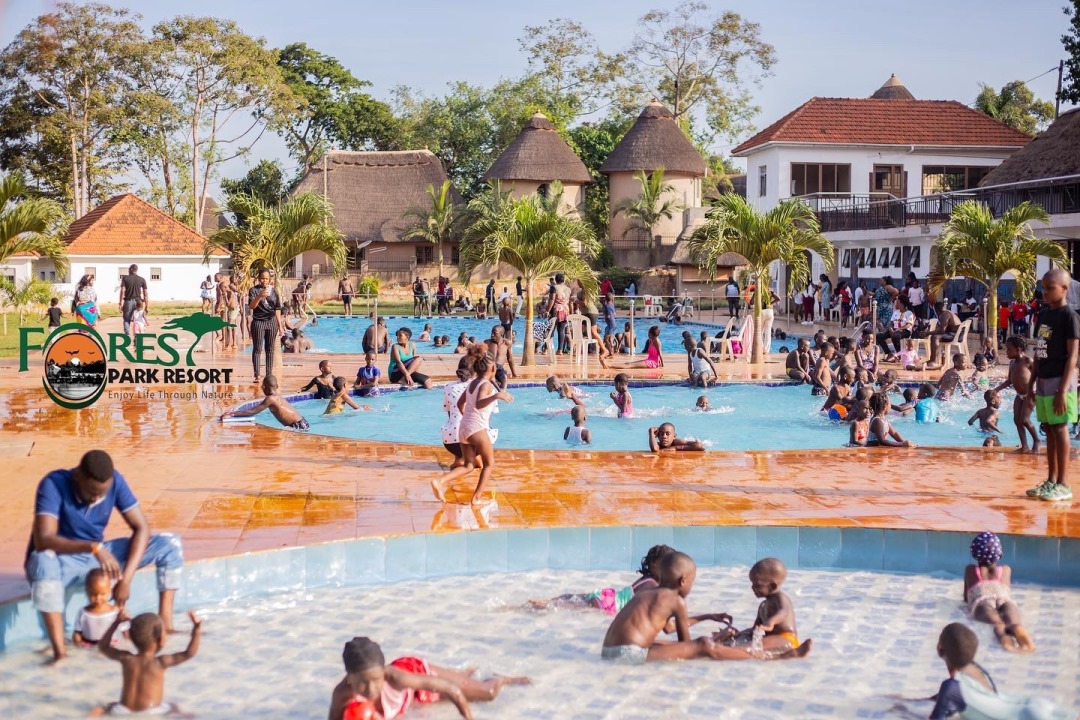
[
  {"x": 50, "y": 574},
  {"x": 128, "y": 312}
]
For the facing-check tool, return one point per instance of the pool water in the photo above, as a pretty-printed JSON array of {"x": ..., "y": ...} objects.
[
  {"x": 345, "y": 335},
  {"x": 742, "y": 417},
  {"x": 874, "y": 634}
]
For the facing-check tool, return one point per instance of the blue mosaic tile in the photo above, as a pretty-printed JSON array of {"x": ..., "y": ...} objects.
[
  {"x": 366, "y": 561},
  {"x": 645, "y": 537},
  {"x": 948, "y": 552},
  {"x": 697, "y": 542},
  {"x": 779, "y": 542},
  {"x": 1036, "y": 560},
  {"x": 264, "y": 572},
  {"x": 406, "y": 557},
  {"x": 609, "y": 548},
  {"x": 819, "y": 547},
  {"x": 1069, "y": 562},
  {"x": 862, "y": 548},
  {"x": 736, "y": 546},
  {"x": 905, "y": 551},
  {"x": 325, "y": 564},
  {"x": 19, "y": 622},
  {"x": 527, "y": 549},
  {"x": 487, "y": 551},
  {"x": 446, "y": 554},
  {"x": 568, "y": 548}
]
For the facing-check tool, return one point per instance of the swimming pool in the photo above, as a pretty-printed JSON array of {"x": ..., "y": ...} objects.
[
  {"x": 874, "y": 637},
  {"x": 742, "y": 417},
  {"x": 336, "y": 334}
]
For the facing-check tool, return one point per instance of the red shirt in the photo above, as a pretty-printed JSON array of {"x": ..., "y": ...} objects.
[
  {"x": 1019, "y": 311},
  {"x": 1003, "y": 317}
]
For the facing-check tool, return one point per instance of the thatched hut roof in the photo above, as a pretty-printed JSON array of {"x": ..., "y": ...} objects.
[
  {"x": 893, "y": 89},
  {"x": 212, "y": 220},
  {"x": 655, "y": 141},
  {"x": 370, "y": 191},
  {"x": 539, "y": 154},
  {"x": 681, "y": 256},
  {"x": 1053, "y": 153}
]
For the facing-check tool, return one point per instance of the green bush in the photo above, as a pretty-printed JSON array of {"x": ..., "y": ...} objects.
[
  {"x": 369, "y": 285},
  {"x": 605, "y": 259},
  {"x": 620, "y": 278}
]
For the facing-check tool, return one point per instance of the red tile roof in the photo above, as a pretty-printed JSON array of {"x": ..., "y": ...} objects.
[
  {"x": 128, "y": 225},
  {"x": 887, "y": 122}
]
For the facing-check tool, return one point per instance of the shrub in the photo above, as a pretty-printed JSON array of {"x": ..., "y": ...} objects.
[
  {"x": 620, "y": 278},
  {"x": 369, "y": 285}
]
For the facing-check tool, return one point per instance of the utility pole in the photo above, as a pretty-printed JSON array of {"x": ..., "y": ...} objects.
[{"x": 1057, "y": 97}]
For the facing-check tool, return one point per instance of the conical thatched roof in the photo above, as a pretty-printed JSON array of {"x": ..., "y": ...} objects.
[
  {"x": 1054, "y": 153},
  {"x": 539, "y": 154},
  {"x": 655, "y": 141},
  {"x": 893, "y": 89}
]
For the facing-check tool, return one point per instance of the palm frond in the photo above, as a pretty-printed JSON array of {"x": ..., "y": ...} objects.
[{"x": 31, "y": 224}]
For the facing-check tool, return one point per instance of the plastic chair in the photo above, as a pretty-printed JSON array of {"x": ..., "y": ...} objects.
[
  {"x": 744, "y": 337},
  {"x": 548, "y": 343},
  {"x": 925, "y": 342},
  {"x": 579, "y": 330},
  {"x": 834, "y": 314},
  {"x": 717, "y": 342},
  {"x": 652, "y": 308},
  {"x": 959, "y": 342}
]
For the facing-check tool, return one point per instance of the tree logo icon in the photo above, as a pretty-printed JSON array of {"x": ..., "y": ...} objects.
[{"x": 198, "y": 324}]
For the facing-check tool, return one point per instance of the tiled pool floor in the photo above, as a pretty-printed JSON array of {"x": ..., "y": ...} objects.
[{"x": 866, "y": 663}]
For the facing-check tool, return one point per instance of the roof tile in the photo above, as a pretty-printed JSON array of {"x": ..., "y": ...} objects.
[{"x": 128, "y": 225}]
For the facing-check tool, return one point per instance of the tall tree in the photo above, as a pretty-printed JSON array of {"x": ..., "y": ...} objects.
[
  {"x": 64, "y": 79},
  {"x": 593, "y": 142},
  {"x": 334, "y": 109},
  {"x": 1070, "y": 87},
  {"x": 535, "y": 241},
  {"x": 265, "y": 181},
  {"x": 976, "y": 245},
  {"x": 436, "y": 224},
  {"x": 227, "y": 81},
  {"x": 650, "y": 207},
  {"x": 1016, "y": 106},
  {"x": 783, "y": 234},
  {"x": 695, "y": 61},
  {"x": 30, "y": 224}
]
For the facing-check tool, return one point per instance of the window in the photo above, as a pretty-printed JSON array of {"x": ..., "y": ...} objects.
[
  {"x": 883, "y": 258},
  {"x": 872, "y": 260},
  {"x": 50, "y": 276},
  {"x": 424, "y": 254},
  {"x": 862, "y": 258},
  {"x": 896, "y": 257},
  {"x": 947, "y": 178},
  {"x": 916, "y": 256},
  {"x": 810, "y": 178},
  {"x": 762, "y": 179},
  {"x": 847, "y": 258},
  {"x": 155, "y": 273},
  {"x": 455, "y": 255},
  {"x": 355, "y": 257},
  {"x": 11, "y": 278}
]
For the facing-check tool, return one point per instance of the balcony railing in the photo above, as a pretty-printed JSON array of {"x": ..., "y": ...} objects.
[{"x": 837, "y": 212}]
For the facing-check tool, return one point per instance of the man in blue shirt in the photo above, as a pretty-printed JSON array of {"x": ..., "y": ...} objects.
[{"x": 71, "y": 512}]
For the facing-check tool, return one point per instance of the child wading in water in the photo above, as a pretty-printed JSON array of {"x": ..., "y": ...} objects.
[
  {"x": 988, "y": 416},
  {"x": 631, "y": 638},
  {"x": 476, "y": 404},
  {"x": 882, "y": 433},
  {"x": 323, "y": 382},
  {"x": 278, "y": 406},
  {"x": 611, "y": 600},
  {"x": 371, "y": 686},
  {"x": 987, "y": 593},
  {"x": 341, "y": 399},
  {"x": 95, "y": 619},
  {"x": 663, "y": 439},
  {"x": 144, "y": 671},
  {"x": 1021, "y": 379},
  {"x": 577, "y": 434},
  {"x": 775, "y": 622},
  {"x": 621, "y": 397}
]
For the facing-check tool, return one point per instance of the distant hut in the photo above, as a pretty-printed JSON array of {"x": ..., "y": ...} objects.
[
  {"x": 537, "y": 157},
  {"x": 692, "y": 280},
  {"x": 369, "y": 192},
  {"x": 655, "y": 141},
  {"x": 893, "y": 89}
]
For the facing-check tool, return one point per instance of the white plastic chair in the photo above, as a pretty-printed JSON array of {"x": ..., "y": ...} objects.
[
  {"x": 834, "y": 313},
  {"x": 548, "y": 343},
  {"x": 579, "y": 329},
  {"x": 652, "y": 307},
  {"x": 744, "y": 337},
  {"x": 959, "y": 342},
  {"x": 925, "y": 342},
  {"x": 717, "y": 342}
]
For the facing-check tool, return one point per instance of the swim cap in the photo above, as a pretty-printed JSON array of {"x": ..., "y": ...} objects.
[
  {"x": 986, "y": 548},
  {"x": 359, "y": 710}
]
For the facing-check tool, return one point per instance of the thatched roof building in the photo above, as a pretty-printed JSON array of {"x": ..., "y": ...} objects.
[
  {"x": 893, "y": 89},
  {"x": 1054, "y": 153},
  {"x": 213, "y": 220},
  {"x": 655, "y": 141},
  {"x": 681, "y": 256},
  {"x": 370, "y": 191},
  {"x": 539, "y": 154}
]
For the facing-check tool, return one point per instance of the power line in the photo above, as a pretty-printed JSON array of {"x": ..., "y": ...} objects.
[{"x": 1053, "y": 69}]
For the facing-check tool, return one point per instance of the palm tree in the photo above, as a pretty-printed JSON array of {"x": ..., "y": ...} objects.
[
  {"x": 29, "y": 224},
  {"x": 783, "y": 234},
  {"x": 437, "y": 224},
  {"x": 972, "y": 243},
  {"x": 650, "y": 207},
  {"x": 25, "y": 295},
  {"x": 273, "y": 235},
  {"x": 535, "y": 241}
]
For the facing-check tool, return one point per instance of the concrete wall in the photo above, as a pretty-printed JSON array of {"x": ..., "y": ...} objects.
[
  {"x": 179, "y": 277},
  {"x": 686, "y": 190},
  {"x": 17, "y": 269}
]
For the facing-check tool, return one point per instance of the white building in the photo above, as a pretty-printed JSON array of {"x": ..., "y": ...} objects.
[
  {"x": 122, "y": 231},
  {"x": 876, "y": 169}
]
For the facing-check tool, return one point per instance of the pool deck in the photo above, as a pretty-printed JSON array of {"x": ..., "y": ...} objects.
[{"x": 234, "y": 488}]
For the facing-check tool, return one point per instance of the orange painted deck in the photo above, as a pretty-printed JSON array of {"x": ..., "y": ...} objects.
[{"x": 235, "y": 488}]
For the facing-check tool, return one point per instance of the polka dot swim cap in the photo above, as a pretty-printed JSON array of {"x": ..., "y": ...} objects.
[{"x": 986, "y": 548}]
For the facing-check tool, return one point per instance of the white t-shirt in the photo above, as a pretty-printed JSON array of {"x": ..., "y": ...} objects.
[
  {"x": 915, "y": 296},
  {"x": 93, "y": 627},
  {"x": 859, "y": 292}
]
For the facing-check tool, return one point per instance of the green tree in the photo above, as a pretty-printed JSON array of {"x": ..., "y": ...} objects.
[
  {"x": 1070, "y": 87},
  {"x": 976, "y": 245},
  {"x": 198, "y": 324},
  {"x": 27, "y": 294},
  {"x": 695, "y": 61},
  {"x": 436, "y": 224},
  {"x": 534, "y": 241},
  {"x": 783, "y": 234},
  {"x": 334, "y": 109},
  {"x": 266, "y": 181},
  {"x": 63, "y": 84},
  {"x": 650, "y": 207},
  {"x": 593, "y": 143},
  {"x": 30, "y": 224},
  {"x": 1016, "y": 106}
]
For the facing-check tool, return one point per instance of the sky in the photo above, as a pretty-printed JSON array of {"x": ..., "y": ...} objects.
[{"x": 940, "y": 49}]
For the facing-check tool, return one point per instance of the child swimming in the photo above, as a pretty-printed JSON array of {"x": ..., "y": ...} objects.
[
  {"x": 882, "y": 433},
  {"x": 926, "y": 407},
  {"x": 988, "y": 416},
  {"x": 987, "y": 593},
  {"x": 951, "y": 381},
  {"x": 702, "y": 404},
  {"x": 341, "y": 399},
  {"x": 577, "y": 434},
  {"x": 859, "y": 432},
  {"x": 979, "y": 379},
  {"x": 621, "y": 397},
  {"x": 278, "y": 406},
  {"x": 611, "y": 600},
  {"x": 663, "y": 439},
  {"x": 908, "y": 406}
]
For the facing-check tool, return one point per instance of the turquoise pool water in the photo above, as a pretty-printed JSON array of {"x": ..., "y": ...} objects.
[
  {"x": 344, "y": 335},
  {"x": 742, "y": 417}
]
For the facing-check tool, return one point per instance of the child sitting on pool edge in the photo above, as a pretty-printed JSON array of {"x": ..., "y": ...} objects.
[
  {"x": 278, "y": 406},
  {"x": 611, "y": 600},
  {"x": 390, "y": 690},
  {"x": 631, "y": 637},
  {"x": 662, "y": 439},
  {"x": 577, "y": 434},
  {"x": 367, "y": 377}
]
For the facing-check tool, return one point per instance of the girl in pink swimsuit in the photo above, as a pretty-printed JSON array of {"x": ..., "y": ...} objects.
[
  {"x": 653, "y": 352},
  {"x": 987, "y": 593}
]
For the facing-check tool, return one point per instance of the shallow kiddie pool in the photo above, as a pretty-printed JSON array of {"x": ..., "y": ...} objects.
[
  {"x": 279, "y": 656},
  {"x": 741, "y": 417}
]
